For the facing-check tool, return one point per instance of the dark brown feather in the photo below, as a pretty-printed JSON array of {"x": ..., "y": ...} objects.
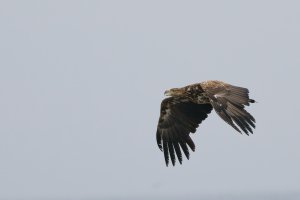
[
  {"x": 229, "y": 102},
  {"x": 177, "y": 120},
  {"x": 187, "y": 107}
]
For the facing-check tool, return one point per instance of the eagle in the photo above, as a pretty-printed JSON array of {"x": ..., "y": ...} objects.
[{"x": 186, "y": 107}]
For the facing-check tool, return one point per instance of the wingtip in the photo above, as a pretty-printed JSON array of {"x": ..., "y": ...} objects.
[
  {"x": 167, "y": 162},
  {"x": 237, "y": 129},
  {"x": 194, "y": 149}
]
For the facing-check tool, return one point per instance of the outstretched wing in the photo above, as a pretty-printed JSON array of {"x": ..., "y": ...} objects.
[
  {"x": 178, "y": 118},
  {"x": 229, "y": 102}
]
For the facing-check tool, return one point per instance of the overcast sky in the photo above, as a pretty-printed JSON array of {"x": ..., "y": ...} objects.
[{"x": 81, "y": 84}]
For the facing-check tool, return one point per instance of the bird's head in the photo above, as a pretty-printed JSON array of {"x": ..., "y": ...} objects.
[{"x": 174, "y": 92}]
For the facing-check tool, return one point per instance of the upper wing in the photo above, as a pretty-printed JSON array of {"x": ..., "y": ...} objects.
[
  {"x": 229, "y": 102},
  {"x": 177, "y": 119}
]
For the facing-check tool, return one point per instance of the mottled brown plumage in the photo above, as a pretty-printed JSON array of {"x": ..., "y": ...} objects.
[{"x": 187, "y": 107}]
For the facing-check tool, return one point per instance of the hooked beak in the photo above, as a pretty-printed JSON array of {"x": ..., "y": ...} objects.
[{"x": 167, "y": 93}]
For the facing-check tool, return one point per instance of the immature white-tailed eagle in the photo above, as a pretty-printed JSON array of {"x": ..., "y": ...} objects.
[{"x": 187, "y": 107}]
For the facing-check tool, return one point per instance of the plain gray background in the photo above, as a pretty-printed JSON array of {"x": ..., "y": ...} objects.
[{"x": 81, "y": 84}]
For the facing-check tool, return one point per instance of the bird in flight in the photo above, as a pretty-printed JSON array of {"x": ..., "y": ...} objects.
[{"x": 187, "y": 107}]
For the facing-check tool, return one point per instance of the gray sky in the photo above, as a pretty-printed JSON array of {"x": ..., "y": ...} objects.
[{"x": 81, "y": 84}]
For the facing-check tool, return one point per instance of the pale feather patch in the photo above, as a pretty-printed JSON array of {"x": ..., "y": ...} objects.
[{"x": 167, "y": 114}]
